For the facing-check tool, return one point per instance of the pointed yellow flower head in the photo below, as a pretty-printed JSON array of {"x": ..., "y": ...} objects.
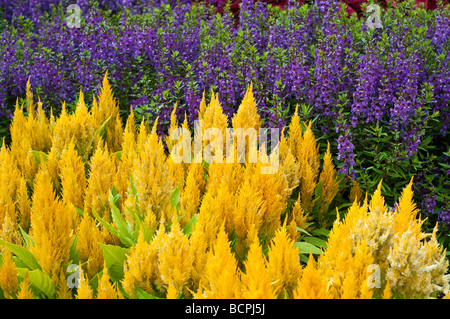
[
  {"x": 88, "y": 248},
  {"x": 141, "y": 267},
  {"x": 73, "y": 176},
  {"x": 25, "y": 289},
  {"x": 308, "y": 151},
  {"x": 295, "y": 135},
  {"x": 221, "y": 280},
  {"x": 23, "y": 205},
  {"x": 50, "y": 225},
  {"x": 355, "y": 192},
  {"x": 152, "y": 179},
  {"x": 8, "y": 275},
  {"x": 307, "y": 186},
  {"x": 175, "y": 260},
  {"x": 202, "y": 108},
  {"x": 107, "y": 110},
  {"x": 313, "y": 284},
  {"x": 106, "y": 289},
  {"x": 101, "y": 178},
  {"x": 256, "y": 282},
  {"x": 377, "y": 201},
  {"x": 173, "y": 126},
  {"x": 330, "y": 184},
  {"x": 406, "y": 210},
  {"x": 29, "y": 99},
  {"x": 247, "y": 216},
  {"x": 284, "y": 264},
  {"x": 84, "y": 291},
  {"x": 190, "y": 197}
]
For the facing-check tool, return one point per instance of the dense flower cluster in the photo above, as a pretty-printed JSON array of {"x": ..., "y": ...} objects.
[{"x": 110, "y": 203}]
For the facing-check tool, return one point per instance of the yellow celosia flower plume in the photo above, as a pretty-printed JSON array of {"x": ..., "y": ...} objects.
[
  {"x": 25, "y": 291},
  {"x": 313, "y": 284},
  {"x": 256, "y": 282},
  {"x": 88, "y": 248},
  {"x": 8, "y": 275},
  {"x": 284, "y": 264},
  {"x": 221, "y": 279},
  {"x": 141, "y": 267},
  {"x": 175, "y": 260},
  {"x": 50, "y": 225}
]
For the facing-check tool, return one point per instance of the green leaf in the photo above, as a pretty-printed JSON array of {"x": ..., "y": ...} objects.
[
  {"x": 73, "y": 255},
  {"x": 28, "y": 239},
  {"x": 114, "y": 257},
  {"x": 307, "y": 248},
  {"x": 175, "y": 196},
  {"x": 123, "y": 229},
  {"x": 105, "y": 224},
  {"x": 23, "y": 254},
  {"x": 40, "y": 281},
  {"x": 189, "y": 228},
  {"x": 321, "y": 232},
  {"x": 142, "y": 294},
  {"x": 316, "y": 241},
  {"x": 303, "y": 231},
  {"x": 37, "y": 156}
]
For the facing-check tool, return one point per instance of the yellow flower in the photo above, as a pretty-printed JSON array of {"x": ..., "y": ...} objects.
[
  {"x": 330, "y": 184},
  {"x": 8, "y": 275},
  {"x": 256, "y": 282},
  {"x": 284, "y": 264},
  {"x": 25, "y": 289},
  {"x": 88, "y": 248},
  {"x": 106, "y": 289},
  {"x": 50, "y": 225},
  {"x": 221, "y": 279},
  {"x": 175, "y": 260},
  {"x": 141, "y": 267},
  {"x": 313, "y": 284},
  {"x": 84, "y": 291}
]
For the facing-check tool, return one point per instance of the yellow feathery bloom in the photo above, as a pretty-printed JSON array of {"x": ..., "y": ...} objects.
[
  {"x": 377, "y": 201},
  {"x": 289, "y": 166},
  {"x": 308, "y": 151},
  {"x": 190, "y": 197},
  {"x": 60, "y": 283},
  {"x": 173, "y": 126},
  {"x": 8, "y": 275},
  {"x": 330, "y": 184},
  {"x": 53, "y": 167},
  {"x": 50, "y": 225},
  {"x": 284, "y": 264},
  {"x": 88, "y": 248},
  {"x": 307, "y": 186},
  {"x": 313, "y": 284},
  {"x": 9, "y": 230},
  {"x": 141, "y": 267},
  {"x": 23, "y": 205},
  {"x": 106, "y": 289},
  {"x": 175, "y": 260},
  {"x": 256, "y": 283},
  {"x": 247, "y": 216},
  {"x": 107, "y": 108},
  {"x": 101, "y": 179},
  {"x": 29, "y": 99},
  {"x": 406, "y": 211},
  {"x": 151, "y": 179},
  {"x": 295, "y": 134},
  {"x": 214, "y": 118},
  {"x": 247, "y": 117},
  {"x": 221, "y": 277},
  {"x": 202, "y": 108},
  {"x": 355, "y": 192},
  {"x": 84, "y": 291},
  {"x": 73, "y": 176},
  {"x": 79, "y": 127},
  {"x": 42, "y": 131},
  {"x": 10, "y": 178},
  {"x": 25, "y": 289},
  {"x": 231, "y": 173}
]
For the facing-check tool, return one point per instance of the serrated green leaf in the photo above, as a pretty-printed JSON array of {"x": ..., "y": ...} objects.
[
  {"x": 40, "y": 281},
  {"x": 142, "y": 294},
  {"x": 321, "y": 232},
  {"x": 315, "y": 241},
  {"x": 190, "y": 225},
  {"x": 307, "y": 248},
  {"x": 175, "y": 196},
  {"x": 22, "y": 253},
  {"x": 114, "y": 257}
]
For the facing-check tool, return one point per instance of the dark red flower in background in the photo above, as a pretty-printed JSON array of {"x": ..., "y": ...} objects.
[{"x": 352, "y": 6}]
